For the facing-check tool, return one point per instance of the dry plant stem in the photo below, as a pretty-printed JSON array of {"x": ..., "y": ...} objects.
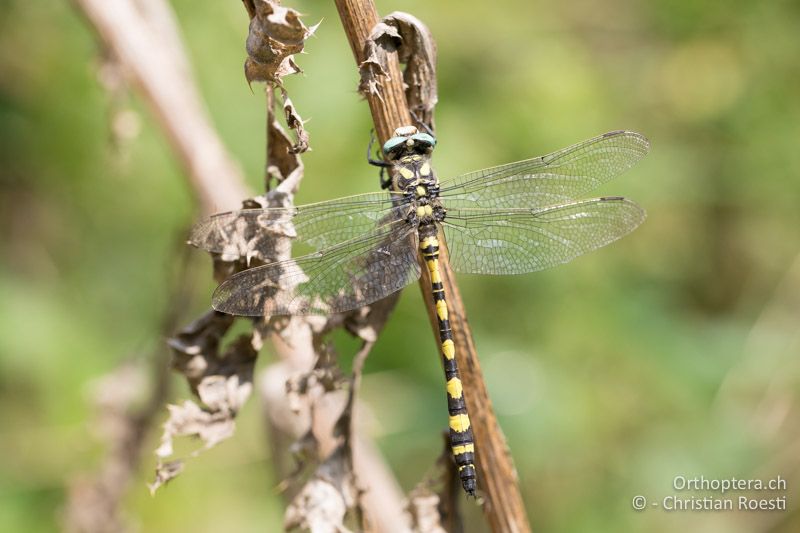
[
  {"x": 503, "y": 503},
  {"x": 144, "y": 38},
  {"x": 146, "y": 42}
]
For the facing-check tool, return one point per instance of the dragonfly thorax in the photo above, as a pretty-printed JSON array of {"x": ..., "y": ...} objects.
[
  {"x": 413, "y": 171},
  {"x": 422, "y": 197},
  {"x": 409, "y": 154}
]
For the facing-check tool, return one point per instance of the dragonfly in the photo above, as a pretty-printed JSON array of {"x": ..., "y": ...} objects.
[{"x": 510, "y": 219}]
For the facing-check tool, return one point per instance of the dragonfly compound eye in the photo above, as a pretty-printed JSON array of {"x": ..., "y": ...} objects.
[
  {"x": 393, "y": 144},
  {"x": 424, "y": 140}
]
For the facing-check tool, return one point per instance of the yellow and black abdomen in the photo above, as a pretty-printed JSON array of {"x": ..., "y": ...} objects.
[{"x": 461, "y": 441}]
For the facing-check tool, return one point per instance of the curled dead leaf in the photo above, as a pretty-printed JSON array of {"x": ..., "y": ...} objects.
[
  {"x": 412, "y": 41},
  {"x": 295, "y": 122},
  {"x": 417, "y": 51},
  {"x": 276, "y": 35},
  {"x": 222, "y": 381}
]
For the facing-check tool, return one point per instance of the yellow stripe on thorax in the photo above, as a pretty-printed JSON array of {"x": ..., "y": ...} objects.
[{"x": 406, "y": 173}]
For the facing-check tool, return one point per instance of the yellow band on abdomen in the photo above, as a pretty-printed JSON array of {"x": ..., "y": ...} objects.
[
  {"x": 429, "y": 241},
  {"x": 458, "y": 450},
  {"x": 459, "y": 423},
  {"x": 441, "y": 309},
  {"x": 454, "y": 388},
  {"x": 448, "y": 349}
]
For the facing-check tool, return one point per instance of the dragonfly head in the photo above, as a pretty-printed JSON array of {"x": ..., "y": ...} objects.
[{"x": 406, "y": 141}]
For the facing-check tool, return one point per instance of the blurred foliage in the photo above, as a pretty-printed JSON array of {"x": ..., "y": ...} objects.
[{"x": 606, "y": 373}]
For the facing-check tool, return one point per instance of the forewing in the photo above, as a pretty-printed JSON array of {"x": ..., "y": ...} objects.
[
  {"x": 553, "y": 179},
  {"x": 503, "y": 241},
  {"x": 253, "y": 232},
  {"x": 338, "y": 279}
]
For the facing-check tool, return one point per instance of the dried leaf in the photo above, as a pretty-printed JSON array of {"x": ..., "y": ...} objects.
[
  {"x": 417, "y": 51},
  {"x": 189, "y": 419},
  {"x": 372, "y": 69},
  {"x": 295, "y": 122},
  {"x": 223, "y": 382},
  {"x": 283, "y": 163},
  {"x": 196, "y": 346},
  {"x": 276, "y": 34},
  {"x": 412, "y": 41}
]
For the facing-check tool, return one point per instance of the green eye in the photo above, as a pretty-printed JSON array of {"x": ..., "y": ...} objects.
[
  {"x": 393, "y": 143},
  {"x": 424, "y": 138}
]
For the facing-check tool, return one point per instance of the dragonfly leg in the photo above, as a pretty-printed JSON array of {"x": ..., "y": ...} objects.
[
  {"x": 416, "y": 118},
  {"x": 385, "y": 181}
]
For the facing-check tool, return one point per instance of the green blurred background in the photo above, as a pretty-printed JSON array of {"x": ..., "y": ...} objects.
[{"x": 673, "y": 351}]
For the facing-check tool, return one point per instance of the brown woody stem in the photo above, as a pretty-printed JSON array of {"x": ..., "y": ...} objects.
[{"x": 497, "y": 478}]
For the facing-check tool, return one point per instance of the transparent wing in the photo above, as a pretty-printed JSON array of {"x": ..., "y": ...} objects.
[
  {"x": 553, "y": 179},
  {"x": 515, "y": 241},
  {"x": 319, "y": 225},
  {"x": 346, "y": 276}
]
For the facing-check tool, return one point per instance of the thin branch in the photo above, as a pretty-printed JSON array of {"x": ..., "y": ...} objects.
[{"x": 503, "y": 505}]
